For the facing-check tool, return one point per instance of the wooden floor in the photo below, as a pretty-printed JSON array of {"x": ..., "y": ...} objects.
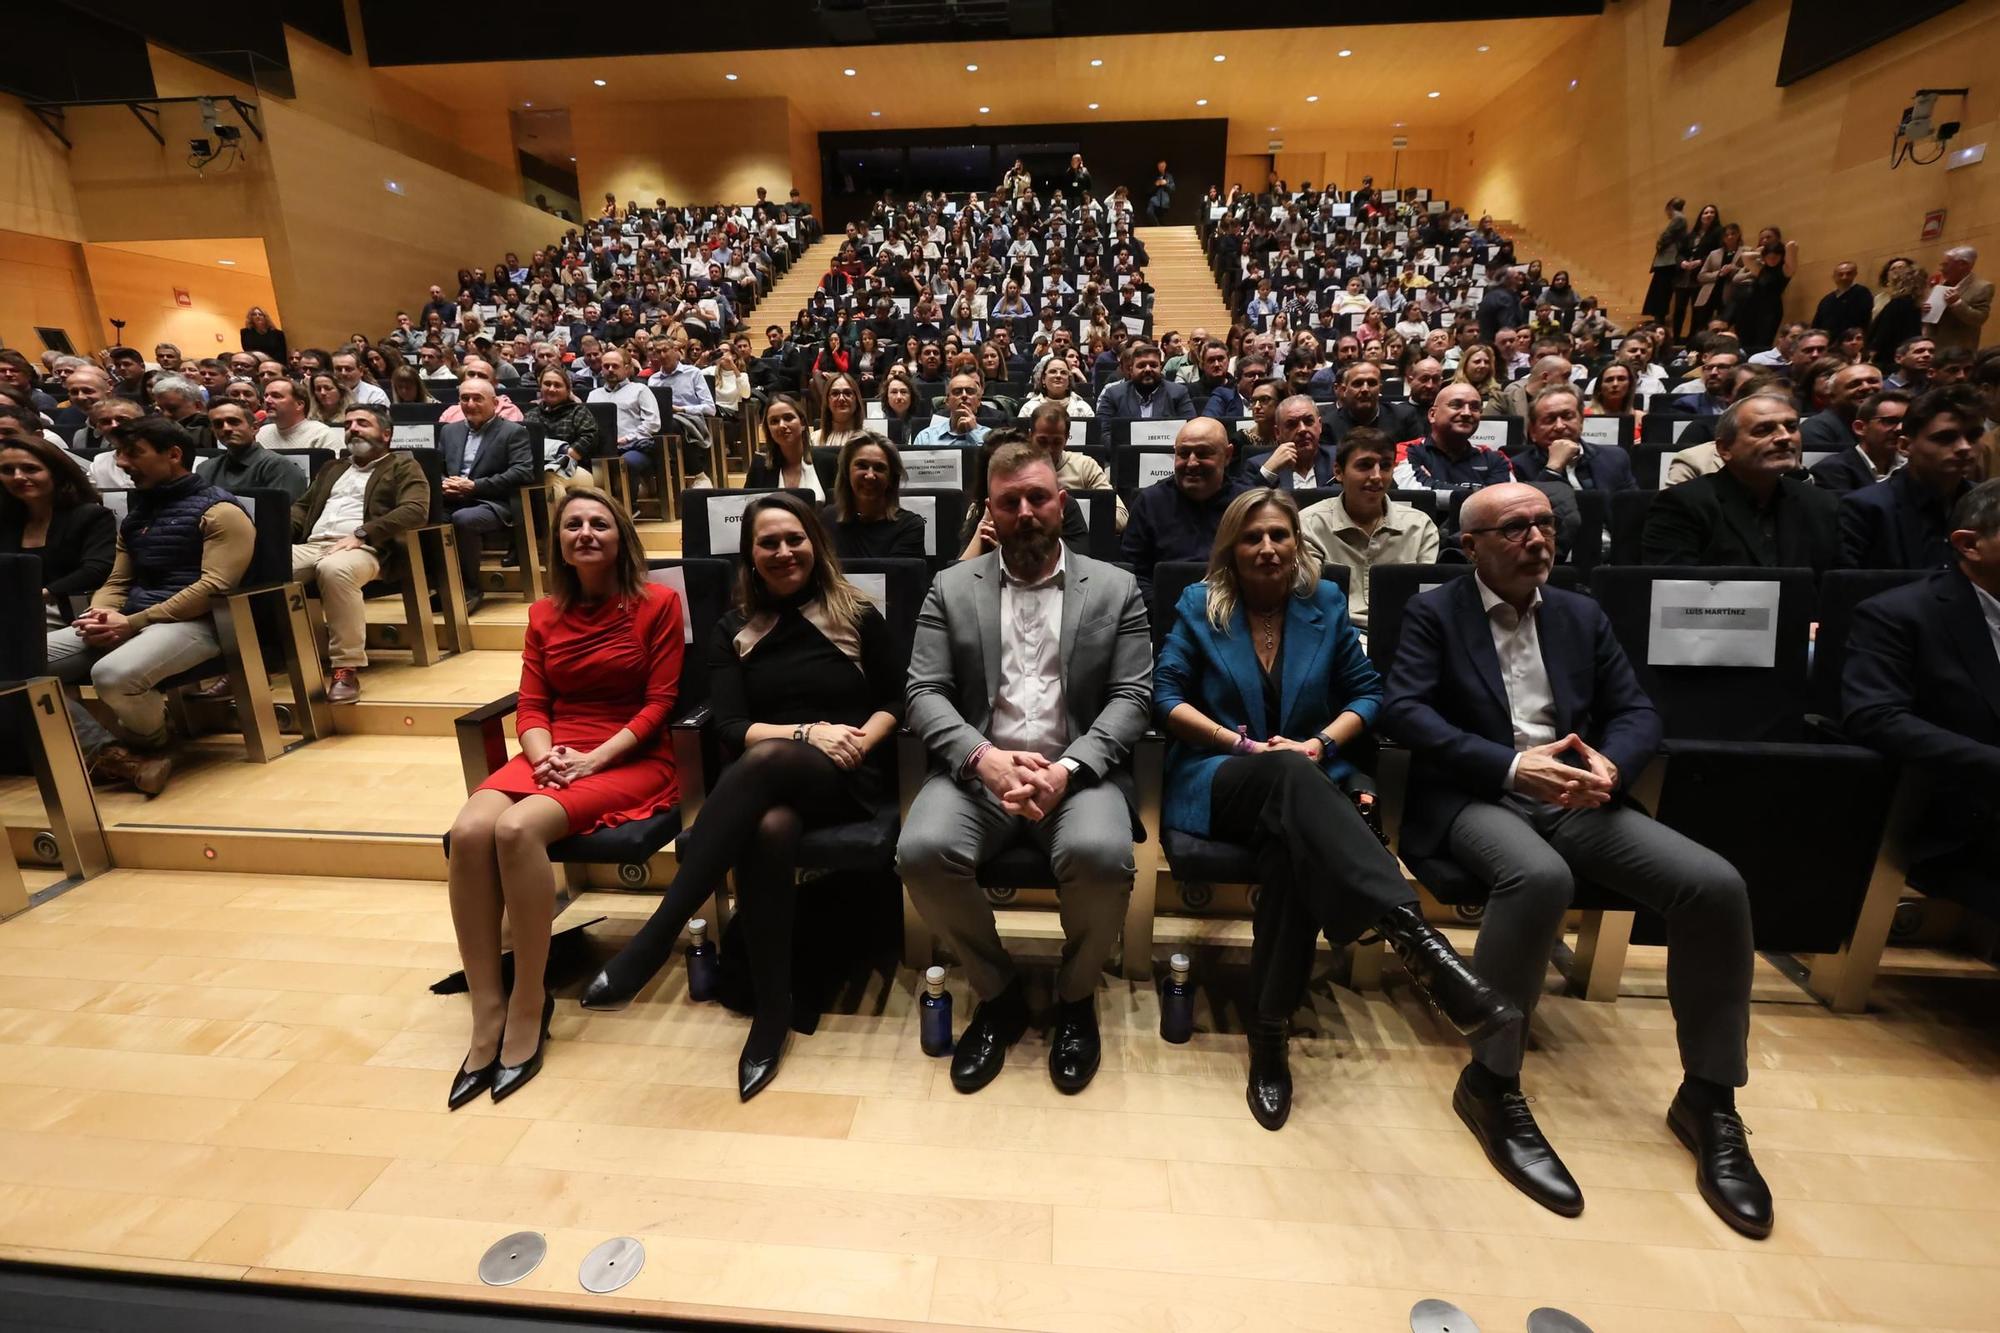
[{"x": 243, "y": 1076}]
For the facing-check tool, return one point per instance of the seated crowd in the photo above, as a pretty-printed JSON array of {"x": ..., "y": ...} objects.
[{"x": 1033, "y": 676}]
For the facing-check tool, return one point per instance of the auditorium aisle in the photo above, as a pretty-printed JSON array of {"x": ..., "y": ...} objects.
[
  {"x": 1185, "y": 295},
  {"x": 793, "y": 290},
  {"x": 238, "y": 1076}
]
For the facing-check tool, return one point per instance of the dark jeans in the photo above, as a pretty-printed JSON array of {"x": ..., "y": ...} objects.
[
  {"x": 1319, "y": 866},
  {"x": 1528, "y": 855}
]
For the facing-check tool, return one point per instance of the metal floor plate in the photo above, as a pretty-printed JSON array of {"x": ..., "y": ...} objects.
[
  {"x": 1551, "y": 1320},
  {"x": 611, "y": 1265},
  {"x": 1440, "y": 1317},
  {"x": 512, "y": 1258}
]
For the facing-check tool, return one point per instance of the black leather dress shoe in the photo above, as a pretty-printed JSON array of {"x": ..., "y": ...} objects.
[
  {"x": 470, "y": 1083},
  {"x": 1728, "y": 1179},
  {"x": 1513, "y": 1142},
  {"x": 1074, "y": 1053},
  {"x": 1453, "y": 989},
  {"x": 982, "y": 1048},
  {"x": 1270, "y": 1089},
  {"x": 758, "y": 1064},
  {"x": 510, "y": 1079}
]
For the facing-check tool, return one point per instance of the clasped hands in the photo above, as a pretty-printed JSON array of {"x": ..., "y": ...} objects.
[
  {"x": 101, "y": 628},
  {"x": 846, "y": 746},
  {"x": 1025, "y": 783},
  {"x": 564, "y": 765},
  {"x": 1543, "y": 775}
]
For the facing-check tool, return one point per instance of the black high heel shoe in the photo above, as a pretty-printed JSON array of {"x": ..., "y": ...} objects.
[
  {"x": 471, "y": 1082},
  {"x": 508, "y": 1079},
  {"x": 606, "y": 995},
  {"x": 756, "y": 1068}
]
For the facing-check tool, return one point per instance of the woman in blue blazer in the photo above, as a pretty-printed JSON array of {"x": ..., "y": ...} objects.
[{"x": 1262, "y": 684}]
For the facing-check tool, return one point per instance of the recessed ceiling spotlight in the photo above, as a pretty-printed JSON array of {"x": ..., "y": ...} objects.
[
  {"x": 1313, "y": 97},
  {"x": 874, "y": 113},
  {"x": 1399, "y": 124},
  {"x": 1273, "y": 129},
  {"x": 1343, "y": 53},
  {"x": 528, "y": 104},
  {"x": 1572, "y": 85},
  {"x": 1096, "y": 63},
  {"x": 730, "y": 77},
  {"x": 1433, "y": 93},
  {"x": 1093, "y": 106},
  {"x": 1482, "y": 49},
  {"x": 1692, "y": 130},
  {"x": 983, "y": 110},
  {"x": 972, "y": 69},
  {"x": 598, "y": 82},
  {"x": 848, "y": 72},
  {"x": 1220, "y": 59},
  {"x": 1201, "y": 101},
  {"x": 227, "y": 263}
]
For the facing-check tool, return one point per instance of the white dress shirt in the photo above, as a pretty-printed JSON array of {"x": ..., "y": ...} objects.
[
  {"x": 370, "y": 395},
  {"x": 344, "y": 504},
  {"x": 1531, "y": 701},
  {"x": 1028, "y": 710},
  {"x": 1989, "y": 605}
]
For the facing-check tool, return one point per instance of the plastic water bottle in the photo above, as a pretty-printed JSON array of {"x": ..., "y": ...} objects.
[
  {"x": 704, "y": 967},
  {"x": 1177, "y": 1002},
  {"x": 934, "y": 1014}
]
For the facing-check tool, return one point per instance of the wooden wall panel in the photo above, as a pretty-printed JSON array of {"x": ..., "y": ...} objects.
[{"x": 43, "y": 283}]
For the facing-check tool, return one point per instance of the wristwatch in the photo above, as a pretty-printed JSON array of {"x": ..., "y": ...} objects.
[{"x": 1327, "y": 744}]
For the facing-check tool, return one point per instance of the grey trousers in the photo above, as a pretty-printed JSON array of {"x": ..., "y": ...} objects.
[
  {"x": 1528, "y": 854},
  {"x": 125, "y": 677},
  {"x": 1088, "y": 839}
]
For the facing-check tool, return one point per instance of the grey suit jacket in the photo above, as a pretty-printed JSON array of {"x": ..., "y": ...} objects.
[
  {"x": 1107, "y": 656},
  {"x": 506, "y": 462}
]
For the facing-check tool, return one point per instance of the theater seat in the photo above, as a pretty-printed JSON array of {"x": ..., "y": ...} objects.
[
  {"x": 1198, "y": 859},
  {"x": 627, "y": 846}
]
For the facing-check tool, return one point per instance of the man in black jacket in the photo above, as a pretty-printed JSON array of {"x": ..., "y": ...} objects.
[
  {"x": 1905, "y": 522},
  {"x": 1848, "y": 306},
  {"x": 487, "y": 460},
  {"x": 1922, "y": 684},
  {"x": 1754, "y": 511},
  {"x": 1877, "y": 450},
  {"x": 1832, "y": 429}
]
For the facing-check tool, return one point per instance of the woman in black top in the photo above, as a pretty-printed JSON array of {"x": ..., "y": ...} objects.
[
  {"x": 1897, "y": 315},
  {"x": 259, "y": 334},
  {"x": 49, "y": 508},
  {"x": 866, "y": 521},
  {"x": 1702, "y": 238},
  {"x": 806, "y": 685},
  {"x": 561, "y": 417},
  {"x": 788, "y": 459}
]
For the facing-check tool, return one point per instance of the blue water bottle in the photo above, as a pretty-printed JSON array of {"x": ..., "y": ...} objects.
[
  {"x": 704, "y": 968},
  {"x": 934, "y": 1014},
  {"x": 1176, "y": 1002}
]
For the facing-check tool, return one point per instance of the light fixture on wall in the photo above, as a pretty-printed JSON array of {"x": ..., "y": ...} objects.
[
  {"x": 1482, "y": 49},
  {"x": 1220, "y": 59},
  {"x": 598, "y": 82},
  {"x": 874, "y": 113},
  {"x": 1312, "y": 97},
  {"x": 1201, "y": 101},
  {"x": 972, "y": 69},
  {"x": 1093, "y": 106},
  {"x": 1344, "y": 53},
  {"x": 1433, "y": 94},
  {"x": 985, "y": 110},
  {"x": 1096, "y": 64},
  {"x": 227, "y": 263},
  {"x": 730, "y": 77},
  {"x": 848, "y": 72}
]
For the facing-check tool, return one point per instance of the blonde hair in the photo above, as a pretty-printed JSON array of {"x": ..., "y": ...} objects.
[{"x": 1223, "y": 591}]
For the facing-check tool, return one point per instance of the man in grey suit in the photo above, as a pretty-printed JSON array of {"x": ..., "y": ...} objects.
[
  {"x": 1030, "y": 682},
  {"x": 486, "y": 460}
]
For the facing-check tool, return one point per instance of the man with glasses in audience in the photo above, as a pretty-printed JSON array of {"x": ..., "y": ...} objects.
[
  {"x": 1755, "y": 511},
  {"x": 1176, "y": 517},
  {"x": 1039, "y": 744},
  {"x": 1520, "y": 772},
  {"x": 1877, "y": 448},
  {"x": 1447, "y": 458},
  {"x": 959, "y": 426},
  {"x": 1832, "y": 429},
  {"x": 1905, "y": 523}
]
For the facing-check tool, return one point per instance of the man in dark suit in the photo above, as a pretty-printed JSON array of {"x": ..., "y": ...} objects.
[
  {"x": 1905, "y": 523},
  {"x": 1877, "y": 450},
  {"x": 1298, "y": 463},
  {"x": 1554, "y": 453},
  {"x": 1031, "y": 679},
  {"x": 1754, "y": 511},
  {"x": 1922, "y": 684},
  {"x": 1832, "y": 428},
  {"x": 1144, "y": 394},
  {"x": 1501, "y": 308},
  {"x": 486, "y": 461},
  {"x": 1526, "y": 724},
  {"x": 1359, "y": 393},
  {"x": 1848, "y": 306}
]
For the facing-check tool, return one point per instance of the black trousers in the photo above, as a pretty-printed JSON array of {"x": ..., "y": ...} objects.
[{"x": 1319, "y": 866}]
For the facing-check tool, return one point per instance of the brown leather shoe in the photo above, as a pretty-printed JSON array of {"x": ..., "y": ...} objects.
[
  {"x": 145, "y": 773},
  {"x": 346, "y": 686}
]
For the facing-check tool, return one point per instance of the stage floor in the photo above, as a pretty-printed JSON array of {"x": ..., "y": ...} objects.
[{"x": 242, "y": 1076}]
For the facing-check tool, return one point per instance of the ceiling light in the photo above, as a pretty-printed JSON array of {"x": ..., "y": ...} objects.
[
  {"x": 1482, "y": 49},
  {"x": 1220, "y": 59},
  {"x": 730, "y": 77},
  {"x": 1692, "y": 130},
  {"x": 1343, "y": 53},
  {"x": 598, "y": 82},
  {"x": 227, "y": 263},
  {"x": 1093, "y": 106},
  {"x": 1273, "y": 129},
  {"x": 528, "y": 104},
  {"x": 572, "y": 157},
  {"x": 848, "y": 72},
  {"x": 1201, "y": 101},
  {"x": 972, "y": 69},
  {"x": 1434, "y": 93},
  {"x": 1313, "y": 98},
  {"x": 874, "y": 113},
  {"x": 1572, "y": 85},
  {"x": 983, "y": 110},
  {"x": 1096, "y": 63}
]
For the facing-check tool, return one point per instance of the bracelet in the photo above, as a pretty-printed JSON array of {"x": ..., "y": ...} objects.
[{"x": 1243, "y": 746}]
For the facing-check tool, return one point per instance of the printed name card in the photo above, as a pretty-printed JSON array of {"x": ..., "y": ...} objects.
[
  {"x": 1082, "y": 506},
  {"x": 676, "y": 578},
  {"x": 1728, "y": 623},
  {"x": 875, "y": 587},
  {"x": 924, "y": 507},
  {"x": 413, "y": 435},
  {"x": 1492, "y": 434},
  {"x": 934, "y": 467},
  {"x": 1155, "y": 432},
  {"x": 1603, "y": 430},
  {"x": 1155, "y": 466},
  {"x": 725, "y": 518},
  {"x": 1079, "y": 432}
]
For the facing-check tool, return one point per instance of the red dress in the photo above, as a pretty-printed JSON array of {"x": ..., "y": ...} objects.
[{"x": 586, "y": 673}]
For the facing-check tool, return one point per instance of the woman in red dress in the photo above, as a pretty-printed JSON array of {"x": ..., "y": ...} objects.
[{"x": 599, "y": 671}]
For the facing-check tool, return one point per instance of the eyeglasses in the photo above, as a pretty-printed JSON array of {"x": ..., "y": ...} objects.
[{"x": 1516, "y": 530}]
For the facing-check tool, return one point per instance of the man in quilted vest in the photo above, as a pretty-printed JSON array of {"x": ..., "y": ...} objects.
[{"x": 182, "y": 542}]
